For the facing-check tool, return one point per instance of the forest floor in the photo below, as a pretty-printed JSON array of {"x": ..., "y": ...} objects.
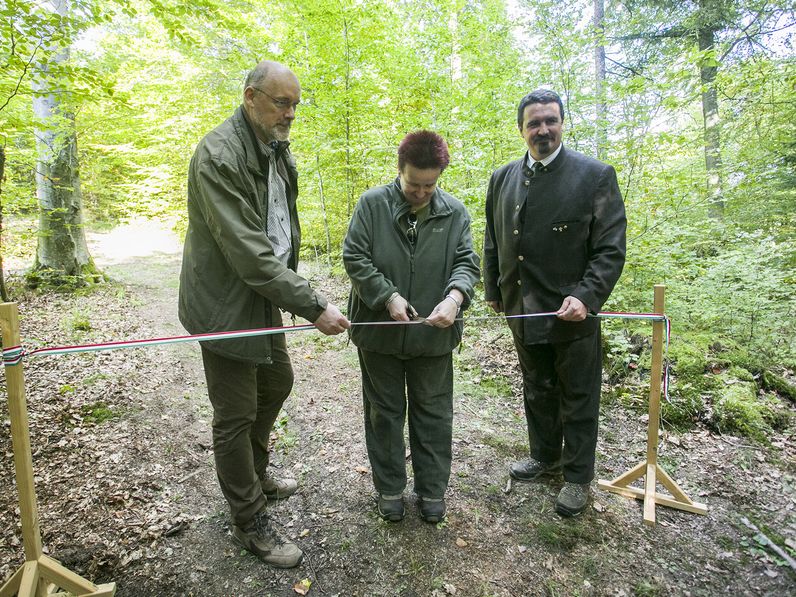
[{"x": 127, "y": 489}]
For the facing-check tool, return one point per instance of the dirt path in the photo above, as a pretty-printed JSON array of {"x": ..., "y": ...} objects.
[{"x": 132, "y": 497}]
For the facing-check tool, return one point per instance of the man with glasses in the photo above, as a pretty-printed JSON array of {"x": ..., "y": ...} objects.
[
  {"x": 409, "y": 253},
  {"x": 238, "y": 271},
  {"x": 555, "y": 242}
]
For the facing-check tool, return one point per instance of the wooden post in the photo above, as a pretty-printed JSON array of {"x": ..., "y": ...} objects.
[
  {"x": 40, "y": 573},
  {"x": 649, "y": 468}
]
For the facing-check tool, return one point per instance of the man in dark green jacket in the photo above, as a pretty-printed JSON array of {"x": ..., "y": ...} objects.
[
  {"x": 238, "y": 270},
  {"x": 555, "y": 242},
  {"x": 408, "y": 251}
]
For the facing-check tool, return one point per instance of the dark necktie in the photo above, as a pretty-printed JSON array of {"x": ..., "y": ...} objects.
[{"x": 536, "y": 168}]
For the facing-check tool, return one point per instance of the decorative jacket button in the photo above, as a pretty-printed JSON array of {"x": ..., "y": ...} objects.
[
  {"x": 521, "y": 258},
  {"x": 519, "y": 282},
  {"x": 516, "y": 232},
  {"x": 527, "y": 182}
]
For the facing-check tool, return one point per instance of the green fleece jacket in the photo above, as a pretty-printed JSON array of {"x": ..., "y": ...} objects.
[{"x": 380, "y": 260}]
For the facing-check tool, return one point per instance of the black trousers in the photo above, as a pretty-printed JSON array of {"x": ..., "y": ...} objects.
[
  {"x": 561, "y": 391},
  {"x": 424, "y": 384},
  {"x": 246, "y": 400}
]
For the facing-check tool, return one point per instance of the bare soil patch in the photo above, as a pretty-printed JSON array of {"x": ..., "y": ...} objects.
[{"x": 127, "y": 489}]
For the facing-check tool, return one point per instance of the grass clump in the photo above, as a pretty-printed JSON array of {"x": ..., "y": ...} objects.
[
  {"x": 97, "y": 413},
  {"x": 739, "y": 409}
]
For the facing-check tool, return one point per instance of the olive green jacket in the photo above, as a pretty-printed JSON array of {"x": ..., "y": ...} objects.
[
  {"x": 380, "y": 260},
  {"x": 230, "y": 278}
]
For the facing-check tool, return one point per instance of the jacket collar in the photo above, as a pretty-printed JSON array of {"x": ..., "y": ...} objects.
[
  {"x": 256, "y": 159},
  {"x": 438, "y": 203},
  {"x": 244, "y": 130},
  {"x": 551, "y": 167}
]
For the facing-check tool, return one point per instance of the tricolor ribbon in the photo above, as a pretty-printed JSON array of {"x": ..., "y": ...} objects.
[{"x": 13, "y": 355}]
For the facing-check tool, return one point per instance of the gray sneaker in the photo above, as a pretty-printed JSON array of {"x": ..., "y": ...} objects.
[
  {"x": 260, "y": 538},
  {"x": 278, "y": 489},
  {"x": 572, "y": 499}
]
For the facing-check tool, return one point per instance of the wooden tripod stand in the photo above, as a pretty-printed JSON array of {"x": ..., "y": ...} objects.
[
  {"x": 41, "y": 575},
  {"x": 649, "y": 468}
]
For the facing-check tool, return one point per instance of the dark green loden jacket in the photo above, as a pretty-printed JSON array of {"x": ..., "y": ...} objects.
[
  {"x": 230, "y": 278},
  {"x": 380, "y": 260},
  {"x": 559, "y": 233}
]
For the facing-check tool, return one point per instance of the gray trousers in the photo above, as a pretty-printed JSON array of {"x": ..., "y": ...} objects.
[
  {"x": 425, "y": 385},
  {"x": 246, "y": 400},
  {"x": 561, "y": 388}
]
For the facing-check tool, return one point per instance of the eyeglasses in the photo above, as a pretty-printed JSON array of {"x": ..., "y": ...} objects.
[
  {"x": 411, "y": 232},
  {"x": 281, "y": 104}
]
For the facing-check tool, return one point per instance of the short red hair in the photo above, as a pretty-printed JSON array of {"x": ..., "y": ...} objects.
[{"x": 423, "y": 149}]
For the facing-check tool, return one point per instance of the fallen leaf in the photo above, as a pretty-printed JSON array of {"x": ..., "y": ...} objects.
[
  {"x": 461, "y": 542},
  {"x": 507, "y": 488},
  {"x": 449, "y": 588},
  {"x": 598, "y": 506},
  {"x": 302, "y": 587},
  {"x": 361, "y": 469},
  {"x": 304, "y": 533}
]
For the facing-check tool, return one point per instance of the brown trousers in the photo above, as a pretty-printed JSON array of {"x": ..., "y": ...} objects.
[{"x": 246, "y": 400}]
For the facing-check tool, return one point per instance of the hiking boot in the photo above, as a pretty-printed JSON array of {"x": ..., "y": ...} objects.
[
  {"x": 533, "y": 470},
  {"x": 391, "y": 507},
  {"x": 260, "y": 538},
  {"x": 278, "y": 489},
  {"x": 572, "y": 499},
  {"x": 431, "y": 510}
]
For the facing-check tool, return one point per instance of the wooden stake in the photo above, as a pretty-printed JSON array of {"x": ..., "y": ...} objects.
[
  {"x": 649, "y": 468},
  {"x": 40, "y": 573}
]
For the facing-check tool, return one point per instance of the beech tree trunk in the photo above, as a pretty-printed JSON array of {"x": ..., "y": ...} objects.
[
  {"x": 710, "y": 114},
  {"x": 600, "y": 134},
  {"x": 62, "y": 256}
]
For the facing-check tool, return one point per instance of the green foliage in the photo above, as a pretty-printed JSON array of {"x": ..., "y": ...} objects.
[
  {"x": 780, "y": 385},
  {"x": 738, "y": 410},
  {"x": 565, "y": 535},
  {"x": 97, "y": 413},
  {"x": 147, "y": 79}
]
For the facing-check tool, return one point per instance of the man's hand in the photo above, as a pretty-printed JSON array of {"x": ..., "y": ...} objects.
[
  {"x": 331, "y": 321},
  {"x": 572, "y": 309},
  {"x": 444, "y": 314},
  {"x": 496, "y": 306},
  {"x": 400, "y": 309}
]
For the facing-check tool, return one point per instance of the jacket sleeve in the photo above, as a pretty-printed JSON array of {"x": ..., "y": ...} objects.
[
  {"x": 606, "y": 244},
  {"x": 491, "y": 265},
  {"x": 372, "y": 287},
  {"x": 240, "y": 235},
  {"x": 464, "y": 271}
]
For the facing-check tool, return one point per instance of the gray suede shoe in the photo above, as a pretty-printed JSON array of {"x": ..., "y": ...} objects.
[
  {"x": 572, "y": 499},
  {"x": 260, "y": 538},
  {"x": 278, "y": 489}
]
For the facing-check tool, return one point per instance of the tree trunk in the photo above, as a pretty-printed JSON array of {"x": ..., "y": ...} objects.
[
  {"x": 325, "y": 215},
  {"x": 62, "y": 256},
  {"x": 600, "y": 134},
  {"x": 710, "y": 114}
]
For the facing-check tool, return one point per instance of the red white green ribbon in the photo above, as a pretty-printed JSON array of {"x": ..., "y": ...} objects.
[{"x": 13, "y": 355}]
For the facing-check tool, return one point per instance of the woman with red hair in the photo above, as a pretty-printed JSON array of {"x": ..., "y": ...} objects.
[{"x": 409, "y": 254}]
